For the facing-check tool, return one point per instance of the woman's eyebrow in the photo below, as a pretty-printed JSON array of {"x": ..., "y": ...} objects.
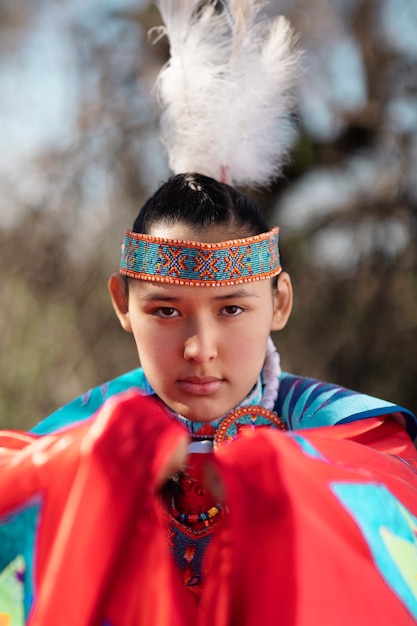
[
  {"x": 151, "y": 297},
  {"x": 161, "y": 297},
  {"x": 239, "y": 293}
]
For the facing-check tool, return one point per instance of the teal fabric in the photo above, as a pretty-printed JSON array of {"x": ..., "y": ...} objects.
[
  {"x": 308, "y": 403},
  {"x": 390, "y": 532},
  {"x": 87, "y": 404},
  {"x": 17, "y": 539}
]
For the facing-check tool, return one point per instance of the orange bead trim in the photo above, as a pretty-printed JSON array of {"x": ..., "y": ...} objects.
[{"x": 197, "y": 283}]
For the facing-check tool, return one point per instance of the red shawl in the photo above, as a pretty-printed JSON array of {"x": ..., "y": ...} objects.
[{"x": 321, "y": 524}]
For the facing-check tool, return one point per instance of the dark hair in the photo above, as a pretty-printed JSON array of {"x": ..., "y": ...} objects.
[{"x": 200, "y": 201}]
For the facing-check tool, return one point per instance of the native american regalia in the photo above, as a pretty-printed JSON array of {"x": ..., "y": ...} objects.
[
  {"x": 318, "y": 524},
  {"x": 314, "y": 517}
]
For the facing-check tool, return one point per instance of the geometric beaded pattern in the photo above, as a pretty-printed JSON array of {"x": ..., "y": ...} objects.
[
  {"x": 243, "y": 418},
  {"x": 178, "y": 262}
]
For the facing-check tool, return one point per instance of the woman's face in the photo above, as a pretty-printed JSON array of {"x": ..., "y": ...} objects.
[{"x": 202, "y": 349}]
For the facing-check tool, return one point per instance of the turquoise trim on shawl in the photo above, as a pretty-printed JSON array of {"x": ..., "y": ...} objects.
[
  {"x": 87, "y": 404},
  {"x": 302, "y": 403},
  {"x": 18, "y": 540},
  {"x": 389, "y": 529},
  {"x": 309, "y": 403}
]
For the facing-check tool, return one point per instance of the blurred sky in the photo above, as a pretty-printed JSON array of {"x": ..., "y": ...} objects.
[
  {"x": 42, "y": 84},
  {"x": 38, "y": 78}
]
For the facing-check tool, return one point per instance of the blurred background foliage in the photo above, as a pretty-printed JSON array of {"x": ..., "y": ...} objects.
[{"x": 80, "y": 154}]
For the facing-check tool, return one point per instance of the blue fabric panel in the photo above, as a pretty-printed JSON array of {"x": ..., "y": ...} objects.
[
  {"x": 308, "y": 403},
  {"x": 390, "y": 532},
  {"x": 17, "y": 537}
]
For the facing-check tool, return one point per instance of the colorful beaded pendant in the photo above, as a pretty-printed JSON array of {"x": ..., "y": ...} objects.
[{"x": 246, "y": 417}]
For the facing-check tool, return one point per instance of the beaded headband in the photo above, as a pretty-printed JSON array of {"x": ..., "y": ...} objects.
[{"x": 177, "y": 262}]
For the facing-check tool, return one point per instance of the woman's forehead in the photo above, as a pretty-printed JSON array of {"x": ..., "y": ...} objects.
[{"x": 149, "y": 291}]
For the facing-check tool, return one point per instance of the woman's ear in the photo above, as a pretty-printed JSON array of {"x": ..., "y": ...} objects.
[
  {"x": 120, "y": 298},
  {"x": 282, "y": 302}
]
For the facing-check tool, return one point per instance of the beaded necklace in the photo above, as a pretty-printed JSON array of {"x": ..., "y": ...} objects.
[{"x": 204, "y": 517}]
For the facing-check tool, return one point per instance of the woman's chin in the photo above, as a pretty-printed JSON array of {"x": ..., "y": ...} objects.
[{"x": 199, "y": 415}]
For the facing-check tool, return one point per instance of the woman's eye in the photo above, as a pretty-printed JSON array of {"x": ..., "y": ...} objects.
[
  {"x": 166, "y": 311},
  {"x": 232, "y": 310}
]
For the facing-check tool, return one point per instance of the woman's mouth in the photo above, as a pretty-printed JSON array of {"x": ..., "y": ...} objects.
[{"x": 200, "y": 386}]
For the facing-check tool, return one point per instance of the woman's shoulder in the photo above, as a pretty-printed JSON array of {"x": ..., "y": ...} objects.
[
  {"x": 88, "y": 403},
  {"x": 309, "y": 403}
]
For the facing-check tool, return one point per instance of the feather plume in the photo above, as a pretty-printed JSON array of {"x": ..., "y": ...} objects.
[{"x": 227, "y": 91}]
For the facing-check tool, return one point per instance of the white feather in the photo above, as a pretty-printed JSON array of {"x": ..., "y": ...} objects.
[{"x": 227, "y": 91}]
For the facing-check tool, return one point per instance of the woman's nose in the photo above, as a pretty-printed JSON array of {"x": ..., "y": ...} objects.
[{"x": 200, "y": 346}]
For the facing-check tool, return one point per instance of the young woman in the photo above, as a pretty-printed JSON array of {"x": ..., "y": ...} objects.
[
  {"x": 121, "y": 513},
  {"x": 207, "y": 486}
]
